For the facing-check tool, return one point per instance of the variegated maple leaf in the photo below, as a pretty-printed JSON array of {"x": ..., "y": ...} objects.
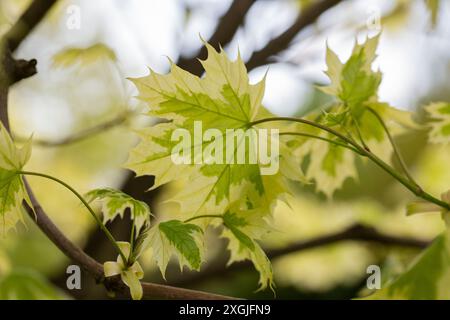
[
  {"x": 12, "y": 188},
  {"x": 115, "y": 202},
  {"x": 222, "y": 100}
]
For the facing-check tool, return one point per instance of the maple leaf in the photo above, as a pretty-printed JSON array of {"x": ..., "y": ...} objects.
[
  {"x": 354, "y": 82},
  {"x": 222, "y": 100}
]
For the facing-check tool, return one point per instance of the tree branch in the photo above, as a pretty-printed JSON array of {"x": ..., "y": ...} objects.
[
  {"x": 12, "y": 70},
  {"x": 280, "y": 43},
  {"x": 84, "y": 134},
  {"x": 354, "y": 233},
  {"x": 224, "y": 33}
]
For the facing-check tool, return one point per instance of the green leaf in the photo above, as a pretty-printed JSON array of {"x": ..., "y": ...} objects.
[
  {"x": 115, "y": 202},
  {"x": 12, "y": 187},
  {"x": 25, "y": 284},
  {"x": 439, "y": 123},
  {"x": 240, "y": 228},
  {"x": 428, "y": 278},
  {"x": 83, "y": 56},
  {"x": 354, "y": 82},
  {"x": 184, "y": 240},
  {"x": 221, "y": 100},
  {"x": 355, "y": 85}
]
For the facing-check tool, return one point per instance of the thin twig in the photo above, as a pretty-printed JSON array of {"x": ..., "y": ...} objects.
[{"x": 85, "y": 203}]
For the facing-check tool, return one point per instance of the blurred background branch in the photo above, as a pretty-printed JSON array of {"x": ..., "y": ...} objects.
[
  {"x": 305, "y": 18},
  {"x": 84, "y": 134},
  {"x": 225, "y": 31},
  {"x": 27, "y": 22}
]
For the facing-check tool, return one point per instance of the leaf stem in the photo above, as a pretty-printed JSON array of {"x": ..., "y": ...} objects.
[
  {"x": 307, "y": 122},
  {"x": 415, "y": 189},
  {"x": 204, "y": 216},
  {"x": 394, "y": 146},
  {"x": 84, "y": 134},
  {"x": 85, "y": 203}
]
